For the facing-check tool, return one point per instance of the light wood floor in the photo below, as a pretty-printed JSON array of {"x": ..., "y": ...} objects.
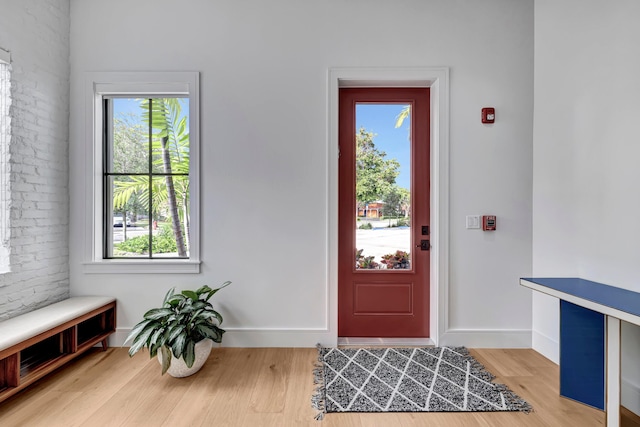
[{"x": 259, "y": 387}]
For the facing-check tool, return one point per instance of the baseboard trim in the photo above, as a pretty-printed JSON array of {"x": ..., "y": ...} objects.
[
  {"x": 487, "y": 338},
  {"x": 472, "y": 338},
  {"x": 630, "y": 397},
  {"x": 546, "y": 346},
  {"x": 117, "y": 339},
  {"x": 238, "y": 337}
]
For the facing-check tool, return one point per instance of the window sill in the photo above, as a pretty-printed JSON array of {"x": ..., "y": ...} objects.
[{"x": 156, "y": 266}]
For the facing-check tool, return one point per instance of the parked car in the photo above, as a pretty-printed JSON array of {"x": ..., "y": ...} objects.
[{"x": 117, "y": 221}]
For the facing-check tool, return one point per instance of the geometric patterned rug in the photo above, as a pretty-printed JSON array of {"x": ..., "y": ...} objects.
[{"x": 434, "y": 379}]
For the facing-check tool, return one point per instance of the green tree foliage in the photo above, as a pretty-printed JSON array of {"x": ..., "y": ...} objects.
[
  {"x": 375, "y": 175},
  {"x": 397, "y": 202},
  {"x": 405, "y": 200},
  {"x": 392, "y": 203},
  {"x": 130, "y": 151},
  {"x": 130, "y": 154}
]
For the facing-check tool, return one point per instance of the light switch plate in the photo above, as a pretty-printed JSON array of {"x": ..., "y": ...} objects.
[{"x": 473, "y": 221}]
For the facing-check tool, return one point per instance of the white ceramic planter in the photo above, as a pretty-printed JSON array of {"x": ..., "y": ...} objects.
[{"x": 179, "y": 369}]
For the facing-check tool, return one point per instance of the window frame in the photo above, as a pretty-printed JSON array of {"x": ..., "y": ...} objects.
[
  {"x": 5, "y": 139},
  {"x": 137, "y": 84}
]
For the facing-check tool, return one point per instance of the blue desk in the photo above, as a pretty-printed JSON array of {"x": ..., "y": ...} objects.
[{"x": 590, "y": 315}]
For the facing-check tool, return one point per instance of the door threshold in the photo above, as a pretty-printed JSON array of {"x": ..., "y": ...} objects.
[{"x": 386, "y": 342}]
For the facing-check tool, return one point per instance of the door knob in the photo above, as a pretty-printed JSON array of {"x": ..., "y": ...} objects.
[{"x": 424, "y": 245}]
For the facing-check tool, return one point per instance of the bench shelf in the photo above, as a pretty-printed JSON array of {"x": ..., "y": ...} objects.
[{"x": 30, "y": 359}]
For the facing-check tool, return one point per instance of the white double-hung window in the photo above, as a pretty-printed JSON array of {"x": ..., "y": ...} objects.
[{"x": 144, "y": 201}]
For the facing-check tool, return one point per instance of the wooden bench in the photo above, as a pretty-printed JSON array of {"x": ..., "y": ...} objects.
[{"x": 36, "y": 343}]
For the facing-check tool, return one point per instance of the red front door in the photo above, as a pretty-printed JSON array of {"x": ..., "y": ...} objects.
[{"x": 383, "y": 218}]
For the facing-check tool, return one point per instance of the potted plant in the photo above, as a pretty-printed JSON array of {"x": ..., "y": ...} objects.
[{"x": 181, "y": 331}]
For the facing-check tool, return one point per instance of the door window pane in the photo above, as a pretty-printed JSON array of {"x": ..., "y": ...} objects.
[{"x": 383, "y": 186}]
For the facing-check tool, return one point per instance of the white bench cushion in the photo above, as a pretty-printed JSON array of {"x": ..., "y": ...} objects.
[{"x": 28, "y": 325}]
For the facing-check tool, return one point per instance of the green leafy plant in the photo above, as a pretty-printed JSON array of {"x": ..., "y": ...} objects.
[
  {"x": 398, "y": 260},
  {"x": 174, "y": 329},
  {"x": 365, "y": 226}
]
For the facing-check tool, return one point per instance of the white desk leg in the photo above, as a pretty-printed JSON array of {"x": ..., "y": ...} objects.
[{"x": 613, "y": 372}]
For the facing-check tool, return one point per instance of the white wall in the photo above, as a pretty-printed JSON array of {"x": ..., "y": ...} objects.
[
  {"x": 36, "y": 32},
  {"x": 586, "y": 155},
  {"x": 264, "y": 115}
]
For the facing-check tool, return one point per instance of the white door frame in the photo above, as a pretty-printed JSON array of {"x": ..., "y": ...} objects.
[{"x": 437, "y": 79}]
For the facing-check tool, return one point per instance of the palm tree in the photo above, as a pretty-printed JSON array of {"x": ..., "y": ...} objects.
[{"x": 404, "y": 113}]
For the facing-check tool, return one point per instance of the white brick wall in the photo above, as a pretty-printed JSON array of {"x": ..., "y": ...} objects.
[{"x": 36, "y": 32}]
